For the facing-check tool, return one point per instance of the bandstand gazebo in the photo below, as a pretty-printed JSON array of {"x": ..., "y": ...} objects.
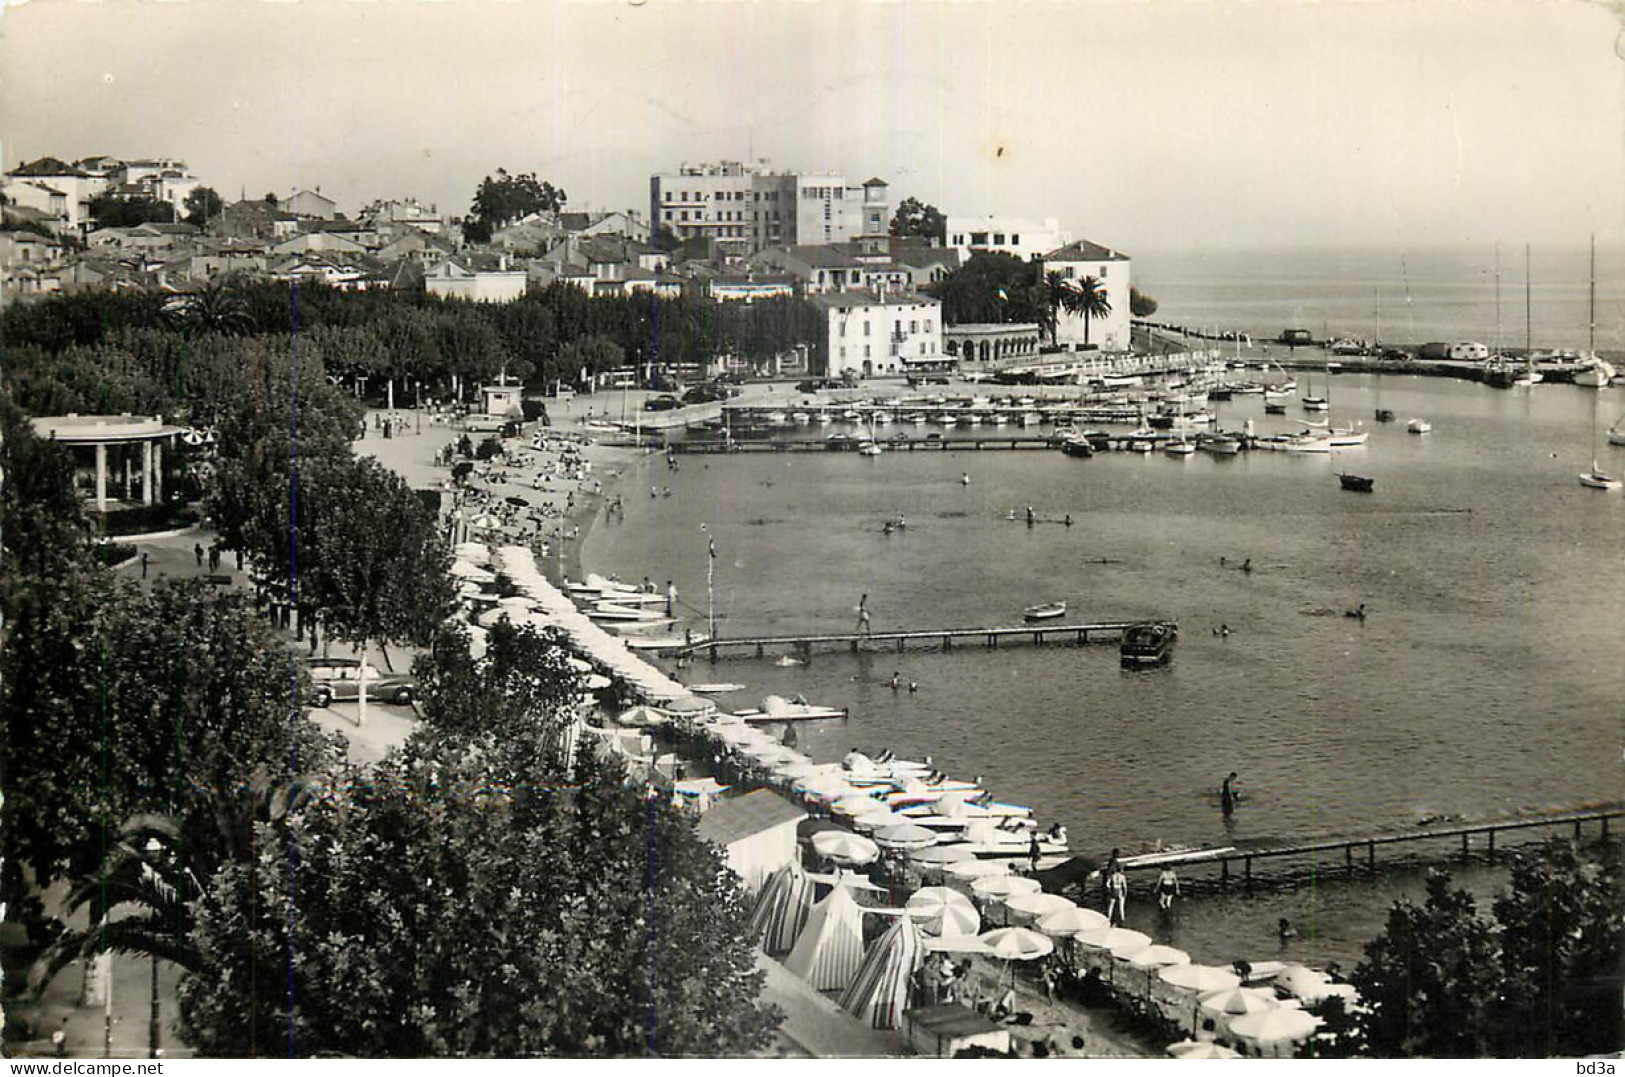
[{"x": 118, "y": 459}]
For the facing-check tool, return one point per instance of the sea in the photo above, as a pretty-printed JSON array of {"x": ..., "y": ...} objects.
[
  {"x": 1485, "y": 681},
  {"x": 1491, "y": 295}
]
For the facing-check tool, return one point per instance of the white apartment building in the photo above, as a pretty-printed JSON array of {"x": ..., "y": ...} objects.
[
  {"x": 876, "y": 333},
  {"x": 745, "y": 207},
  {"x": 1020, "y": 236},
  {"x": 1112, "y": 269}
]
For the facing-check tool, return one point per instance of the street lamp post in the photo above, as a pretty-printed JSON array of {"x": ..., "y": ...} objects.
[
  {"x": 710, "y": 583},
  {"x": 154, "y": 850}
]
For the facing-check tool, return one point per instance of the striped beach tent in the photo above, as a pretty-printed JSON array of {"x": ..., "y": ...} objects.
[
  {"x": 879, "y": 993},
  {"x": 830, "y": 948},
  {"x": 782, "y": 909}
]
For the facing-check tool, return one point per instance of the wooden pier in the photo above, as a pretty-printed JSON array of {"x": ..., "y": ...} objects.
[
  {"x": 1349, "y": 851},
  {"x": 942, "y": 638},
  {"x": 937, "y": 444}
]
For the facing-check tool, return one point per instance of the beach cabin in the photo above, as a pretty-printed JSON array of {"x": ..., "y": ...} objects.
[
  {"x": 756, "y": 832},
  {"x": 944, "y": 1031},
  {"x": 502, "y": 400}
]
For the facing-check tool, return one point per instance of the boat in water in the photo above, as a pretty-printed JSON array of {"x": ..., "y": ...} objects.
[
  {"x": 1359, "y": 484},
  {"x": 1419, "y": 426},
  {"x": 1149, "y": 643},
  {"x": 1384, "y": 415},
  {"x": 1219, "y": 444},
  {"x": 1180, "y": 447},
  {"x": 1271, "y": 408},
  {"x": 1076, "y": 445},
  {"x": 718, "y": 688},
  {"x": 1047, "y": 611},
  {"x": 1597, "y": 480}
]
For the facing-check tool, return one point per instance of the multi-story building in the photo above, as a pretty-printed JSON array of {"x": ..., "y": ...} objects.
[
  {"x": 57, "y": 187},
  {"x": 1026, "y": 239},
  {"x": 745, "y": 207},
  {"x": 1075, "y": 261},
  {"x": 878, "y": 333}
]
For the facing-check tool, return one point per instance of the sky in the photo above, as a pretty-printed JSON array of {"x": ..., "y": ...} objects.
[{"x": 1141, "y": 124}]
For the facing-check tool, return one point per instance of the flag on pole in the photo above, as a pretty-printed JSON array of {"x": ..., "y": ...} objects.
[{"x": 1002, "y": 294}]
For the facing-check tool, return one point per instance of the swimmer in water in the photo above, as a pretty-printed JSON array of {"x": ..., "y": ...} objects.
[{"x": 964, "y": 480}]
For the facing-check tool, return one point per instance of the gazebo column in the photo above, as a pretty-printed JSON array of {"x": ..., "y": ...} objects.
[
  {"x": 101, "y": 477},
  {"x": 157, "y": 472},
  {"x": 146, "y": 471},
  {"x": 129, "y": 475}
]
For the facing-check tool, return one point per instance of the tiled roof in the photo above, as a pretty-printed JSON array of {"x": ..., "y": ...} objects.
[
  {"x": 1084, "y": 251},
  {"x": 743, "y": 817},
  {"x": 858, "y": 297},
  {"x": 47, "y": 166}
]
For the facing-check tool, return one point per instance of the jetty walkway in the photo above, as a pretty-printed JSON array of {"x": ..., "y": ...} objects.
[
  {"x": 941, "y": 637},
  {"x": 1325, "y": 852}
]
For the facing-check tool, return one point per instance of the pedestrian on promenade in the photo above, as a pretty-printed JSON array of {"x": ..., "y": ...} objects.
[
  {"x": 1033, "y": 852},
  {"x": 671, "y": 598},
  {"x": 143, "y": 564},
  {"x": 214, "y": 557},
  {"x": 1117, "y": 907},
  {"x": 197, "y": 552},
  {"x": 239, "y": 560},
  {"x": 895, "y": 679},
  {"x": 1167, "y": 889}
]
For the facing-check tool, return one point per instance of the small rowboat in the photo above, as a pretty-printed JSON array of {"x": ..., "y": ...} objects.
[
  {"x": 1357, "y": 483},
  {"x": 1045, "y": 612},
  {"x": 720, "y": 688}
]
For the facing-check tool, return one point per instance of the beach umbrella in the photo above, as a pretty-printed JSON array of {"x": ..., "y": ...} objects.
[
  {"x": 999, "y": 887},
  {"x": 845, "y": 847},
  {"x": 641, "y": 717},
  {"x": 1304, "y": 982},
  {"x": 1202, "y": 979},
  {"x": 781, "y": 909},
  {"x": 944, "y": 911},
  {"x": 940, "y": 855},
  {"x": 825, "y": 786},
  {"x": 855, "y": 805},
  {"x": 878, "y": 818},
  {"x": 1017, "y": 944},
  {"x": 690, "y": 705},
  {"x": 1157, "y": 956},
  {"x": 976, "y": 870},
  {"x": 907, "y": 836},
  {"x": 799, "y": 769},
  {"x": 1200, "y": 1049},
  {"x": 595, "y": 682},
  {"x": 879, "y": 992},
  {"x": 955, "y": 944},
  {"x": 830, "y": 948},
  {"x": 1037, "y": 905},
  {"x": 1238, "y": 1001},
  {"x": 1116, "y": 940},
  {"x": 1064, "y": 922},
  {"x": 1280, "y": 1025}
]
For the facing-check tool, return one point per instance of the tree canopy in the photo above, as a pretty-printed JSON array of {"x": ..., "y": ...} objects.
[
  {"x": 202, "y": 203},
  {"x": 916, "y": 218},
  {"x": 1140, "y": 304},
  {"x": 113, "y": 211},
  {"x": 991, "y": 287},
  {"x": 503, "y": 199}
]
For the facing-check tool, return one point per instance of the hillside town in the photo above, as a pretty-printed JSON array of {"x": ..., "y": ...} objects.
[{"x": 726, "y": 231}]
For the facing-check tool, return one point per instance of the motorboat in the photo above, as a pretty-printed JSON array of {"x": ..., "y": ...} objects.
[
  {"x": 1419, "y": 426},
  {"x": 718, "y": 688},
  {"x": 1047, "y": 611},
  {"x": 1180, "y": 447},
  {"x": 1384, "y": 415},
  {"x": 1076, "y": 445},
  {"x": 1274, "y": 409},
  {"x": 1616, "y": 433},
  {"x": 1308, "y": 443},
  {"x": 611, "y": 611},
  {"x": 1357, "y": 483},
  {"x": 777, "y": 418},
  {"x": 1596, "y": 374},
  {"x": 1347, "y": 437},
  {"x": 1219, "y": 444},
  {"x": 1599, "y": 481},
  {"x": 1148, "y": 643},
  {"x": 1316, "y": 403},
  {"x": 871, "y": 448},
  {"x": 779, "y": 709}
]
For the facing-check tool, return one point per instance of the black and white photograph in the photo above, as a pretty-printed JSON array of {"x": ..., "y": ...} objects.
[{"x": 875, "y": 529}]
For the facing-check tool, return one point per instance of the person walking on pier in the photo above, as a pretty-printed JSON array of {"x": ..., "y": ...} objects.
[
  {"x": 671, "y": 598},
  {"x": 863, "y": 615}
]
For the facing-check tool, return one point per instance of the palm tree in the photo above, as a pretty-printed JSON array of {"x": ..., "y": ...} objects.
[
  {"x": 154, "y": 871},
  {"x": 216, "y": 309},
  {"x": 1054, "y": 291},
  {"x": 1087, "y": 297}
]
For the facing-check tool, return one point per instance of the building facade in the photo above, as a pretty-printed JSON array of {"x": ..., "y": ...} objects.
[
  {"x": 743, "y": 207},
  {"x": 875, "y": 333},
  {"x": 1024, "y": 238},
  {"x": 1075, "y": 261}
]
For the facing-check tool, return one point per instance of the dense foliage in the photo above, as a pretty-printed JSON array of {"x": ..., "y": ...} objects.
[
  {"x": 1542, "y": 978},
  {"x": 469, "y": 899},
  {"x": 916, "y": 218},
  {"x": 993, "y": 287},
  {"x": 503, "y": 199}
]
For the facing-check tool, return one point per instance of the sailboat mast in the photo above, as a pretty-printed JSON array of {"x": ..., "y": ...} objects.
[
  {"x": 1591, "y": 339},
  {"x": 1497, "y": 298},
  {"x": 1528, "y": 329}
]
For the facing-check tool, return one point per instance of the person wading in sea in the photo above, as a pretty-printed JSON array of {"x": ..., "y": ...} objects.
[{"x": 1227, "y": 795}]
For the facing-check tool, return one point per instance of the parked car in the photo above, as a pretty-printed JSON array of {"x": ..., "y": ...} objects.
[
  {"x": 340, "y": 679},
  {"x": 662, "y": 403},
  {"x": 705, "y": 394}
]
